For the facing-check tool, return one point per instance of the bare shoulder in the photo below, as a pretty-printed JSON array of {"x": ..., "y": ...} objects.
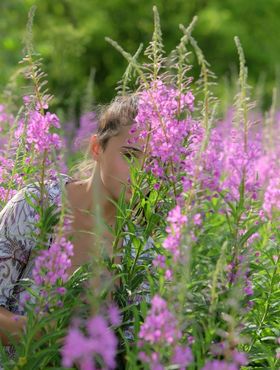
[{"x": 79, "y": 194}]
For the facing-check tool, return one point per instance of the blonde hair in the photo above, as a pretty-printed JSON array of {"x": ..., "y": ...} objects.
[{"x": 112, "y": 117}]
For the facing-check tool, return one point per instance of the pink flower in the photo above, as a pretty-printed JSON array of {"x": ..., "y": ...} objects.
[
  {"x": 76, "y": 347},
  {"x": 104, "y": 339},
  {"x": 51, "y": 265},
  {"x": 164, "y": 112},
  {"x": 182, "y": 356},
  {"x": 197, "y": 219},
  {"x": 176, "y": 220},
  {"x": 114, "y": 315},
  {"x": 82, "y": 350},
  {"x": 160, "y": 325},
  {"x": 88, "y": 127},
  {"x": 220, "y": 365},
  {"x": 272, "y": 196},
  {"x": 39, "y": 131},
  {"x": 168, "y": 274},
  {"x": 159, "y": 261},
  {"x": 153, "y": 360},
  {"x": 239, "y": 358}
]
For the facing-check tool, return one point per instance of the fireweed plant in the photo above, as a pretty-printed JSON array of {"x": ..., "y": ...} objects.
[{"x": 206, "y": 294}]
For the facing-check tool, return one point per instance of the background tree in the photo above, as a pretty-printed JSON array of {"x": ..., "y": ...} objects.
[{"x": 69, "y": 35}]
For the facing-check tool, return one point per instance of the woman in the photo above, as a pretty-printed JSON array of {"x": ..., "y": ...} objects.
[{"x": 109, "y": 149}]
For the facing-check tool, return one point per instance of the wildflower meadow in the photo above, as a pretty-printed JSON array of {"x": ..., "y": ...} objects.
[{"x": 202, "y": 288}]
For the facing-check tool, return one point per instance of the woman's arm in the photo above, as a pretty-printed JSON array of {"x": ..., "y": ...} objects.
[
  {"x": 11, "y": 324},
  {"x": 16, "y": 223}
]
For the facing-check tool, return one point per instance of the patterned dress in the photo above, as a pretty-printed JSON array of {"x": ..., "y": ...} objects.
[{"x": 17, "y": 221}]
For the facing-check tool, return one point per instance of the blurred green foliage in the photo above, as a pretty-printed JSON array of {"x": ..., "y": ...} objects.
[{"x": 69, "y": 34}]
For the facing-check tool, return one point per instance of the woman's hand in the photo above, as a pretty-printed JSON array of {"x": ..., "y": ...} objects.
[{"x": 11, "y": 325}]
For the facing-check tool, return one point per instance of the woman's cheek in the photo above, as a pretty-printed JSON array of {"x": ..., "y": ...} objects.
[{"x": 121, "y": 169}]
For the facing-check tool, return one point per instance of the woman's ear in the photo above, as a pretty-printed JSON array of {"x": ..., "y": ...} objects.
[{"x": 95, "y": 147}]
